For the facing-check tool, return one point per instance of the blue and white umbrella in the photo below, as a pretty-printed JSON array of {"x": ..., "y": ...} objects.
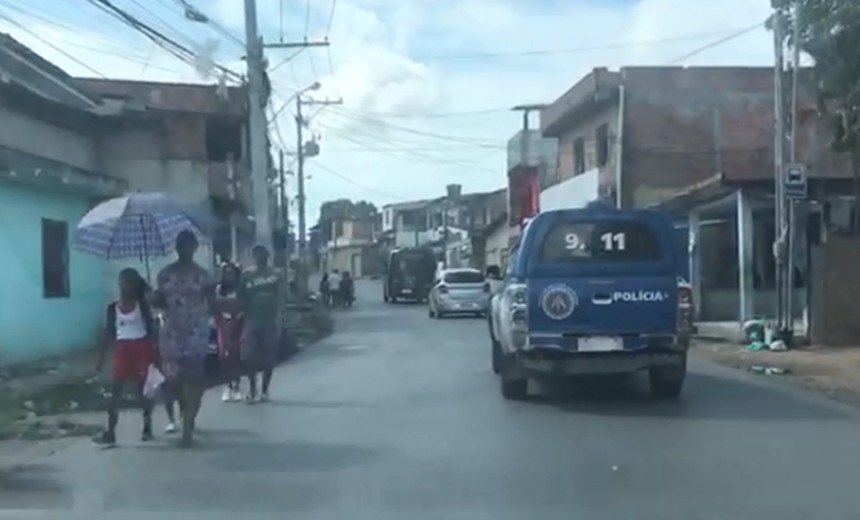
[{"x": 141, "y": 225}]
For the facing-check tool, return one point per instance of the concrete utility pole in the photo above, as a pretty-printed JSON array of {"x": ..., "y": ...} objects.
[
  {"x": 779, "y": 167},
  {"x": 258, "y": 126},
  {"x": 791, "y": 217},
  {"x": 283, "y": 210},
  {"x": 302, "y": 152},
  {"x": 232, "y": 187}
]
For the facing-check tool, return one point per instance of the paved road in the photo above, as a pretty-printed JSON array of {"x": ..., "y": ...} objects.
[{"x": 399, "y": 417}]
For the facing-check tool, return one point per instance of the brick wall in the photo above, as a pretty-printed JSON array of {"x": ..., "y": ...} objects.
[{"x": 683, "y": 125}]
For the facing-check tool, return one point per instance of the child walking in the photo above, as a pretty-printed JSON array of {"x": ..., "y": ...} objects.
[
  {"x": 130, "y": 331},
  {"x": 228, "y": 322}
]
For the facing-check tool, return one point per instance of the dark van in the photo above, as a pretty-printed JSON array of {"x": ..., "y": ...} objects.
[
  {"x": 409, "y": 274},
  {"x": 590, "y": 291}
]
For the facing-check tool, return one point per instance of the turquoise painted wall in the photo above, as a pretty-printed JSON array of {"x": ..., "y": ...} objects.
[{"x": 31, "y": 326}]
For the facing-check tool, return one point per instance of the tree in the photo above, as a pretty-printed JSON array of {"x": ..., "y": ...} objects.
[
  {"x": 343, "y": 209},
  {"x": 830, "y": 33}
]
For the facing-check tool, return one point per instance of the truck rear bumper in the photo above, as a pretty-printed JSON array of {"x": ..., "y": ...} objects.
[{"x": 555, "y": 362}]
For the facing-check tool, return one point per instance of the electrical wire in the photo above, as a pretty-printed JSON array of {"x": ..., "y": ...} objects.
[
  {"x": 399, "y": 152},
  {"x": 435, "y": 115},
  {"x": 575, "y": 50},
  {"x": 329, "y": 57},
  {"x": 356, "y": 184},
  {"x": 163, "y": 41},
  {"x": 725, "y": 39},
  {"x": 478, "y": 142},
  {"x": 196, "y": 15},
  {"x": 52, "y": 45},
  {"x": 97, "y": 43},
  {"x": 307, "y": 34}
]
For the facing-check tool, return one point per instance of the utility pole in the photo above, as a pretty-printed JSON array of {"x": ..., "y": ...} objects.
[
  {"x": 791, "y": 242},
  {"x": 282, "y": 208},
  {"x": 258, "y": 99},
  {"x": 301, "y": 154},
  {"x": 232, "y": 190},
  {"x": 780, "y": 228}
]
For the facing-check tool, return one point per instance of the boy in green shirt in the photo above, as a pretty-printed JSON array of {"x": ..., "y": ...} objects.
[{"x": 261, "y": 295}]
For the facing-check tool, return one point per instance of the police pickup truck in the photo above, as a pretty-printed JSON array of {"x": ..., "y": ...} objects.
[{"x": 591, "y": 291}]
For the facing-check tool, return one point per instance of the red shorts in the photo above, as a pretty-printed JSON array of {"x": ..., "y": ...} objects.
[{"x": 131, "y": 359}]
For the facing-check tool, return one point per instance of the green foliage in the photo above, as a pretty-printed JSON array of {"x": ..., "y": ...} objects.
[
  {"x": 830, "y": 33},
  {"x": 343, "y": 209},
  {"x": 346, "y": 209}
]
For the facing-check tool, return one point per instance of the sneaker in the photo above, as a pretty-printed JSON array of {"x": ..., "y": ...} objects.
[
  {"x": 228, "y": 396},
  {"x": 250, "y": 398},
  {"x": 264, "y": 397},
  {"x": 170, "y": 428},
  {"x": 105, "y": 440},
  {"x": 236, "y": 396},
  {"x": 147, "y": 435}
]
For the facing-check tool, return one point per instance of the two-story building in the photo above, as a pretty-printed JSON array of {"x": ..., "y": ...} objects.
[
  {"x": 698, "y": 143},
  {"x": 189, "y": 140},
  {"x": 68, "y": 144},
  {"x": 351, "y": 247},
  {"x": 406, "y": 222}
]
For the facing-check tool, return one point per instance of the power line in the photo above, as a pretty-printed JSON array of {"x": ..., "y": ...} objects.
[
  {"x": 196, "y": 15},
  {"x": 479, "y": 142},
  {"x": 354, "y": 183},
  {"x": 50, "y": 44},
  {"x": 716, "y": 43},
  {"x": 573, "y": 50},
  {"x": 434, "y": 115},
  {"x": 168, "y": 44},
  {"x": 398, "y": 152},
  {"x": 331, "y": 17}
]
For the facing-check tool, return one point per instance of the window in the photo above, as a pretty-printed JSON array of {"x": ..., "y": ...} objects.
[
  {"x": 55, "y": 258},
  {"x": 617, "y": 241},
  {"x": 602, "y": 138},
  {"x": 578, "y": 156},
  {"x": 456, "y": 277},
  {"x": 509, "y": 265}
]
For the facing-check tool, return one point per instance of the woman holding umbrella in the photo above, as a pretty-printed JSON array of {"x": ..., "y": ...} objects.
[{"x": 185, "y": 293}]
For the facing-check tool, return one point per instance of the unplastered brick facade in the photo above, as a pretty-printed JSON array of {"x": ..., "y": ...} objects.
[{"x": 684, "y": 125}]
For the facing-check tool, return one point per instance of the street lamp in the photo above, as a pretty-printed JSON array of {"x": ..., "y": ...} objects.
[{"x": 313, "y": 86}]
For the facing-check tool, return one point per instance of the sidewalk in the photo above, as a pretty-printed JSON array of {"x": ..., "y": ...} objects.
[
  {"x": 32, "y": 394},
  {"x": 832, "y": 371}
]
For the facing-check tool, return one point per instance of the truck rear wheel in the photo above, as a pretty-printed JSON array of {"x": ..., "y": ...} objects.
[{"x": 667, "y": 381}]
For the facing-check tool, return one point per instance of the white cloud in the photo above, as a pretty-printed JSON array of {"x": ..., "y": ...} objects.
[{"x": 398, "y": 58}]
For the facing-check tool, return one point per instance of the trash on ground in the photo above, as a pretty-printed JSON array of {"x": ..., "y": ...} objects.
[{"x": 769, "y": 371}]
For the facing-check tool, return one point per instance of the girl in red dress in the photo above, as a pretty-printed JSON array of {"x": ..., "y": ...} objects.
[{"x": 130, "y": 330}]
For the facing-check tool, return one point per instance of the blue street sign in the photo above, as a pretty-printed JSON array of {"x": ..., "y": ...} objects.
[{"x": 795, "y": 182}]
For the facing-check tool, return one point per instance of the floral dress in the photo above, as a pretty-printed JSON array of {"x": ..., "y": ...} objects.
[{"x": 184, "y": 336}]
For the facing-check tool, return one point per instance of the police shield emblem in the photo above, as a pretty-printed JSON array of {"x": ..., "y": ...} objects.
[{"x": 558, "y": 301}]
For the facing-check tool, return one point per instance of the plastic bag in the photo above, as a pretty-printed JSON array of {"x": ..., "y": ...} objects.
[{"x": 153, "y": 382}]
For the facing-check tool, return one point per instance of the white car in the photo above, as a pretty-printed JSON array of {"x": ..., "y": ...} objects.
[{"x": 458, "y": 291}]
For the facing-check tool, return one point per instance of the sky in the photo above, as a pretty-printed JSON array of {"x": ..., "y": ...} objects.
[{"x": 426, "y": 85}]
